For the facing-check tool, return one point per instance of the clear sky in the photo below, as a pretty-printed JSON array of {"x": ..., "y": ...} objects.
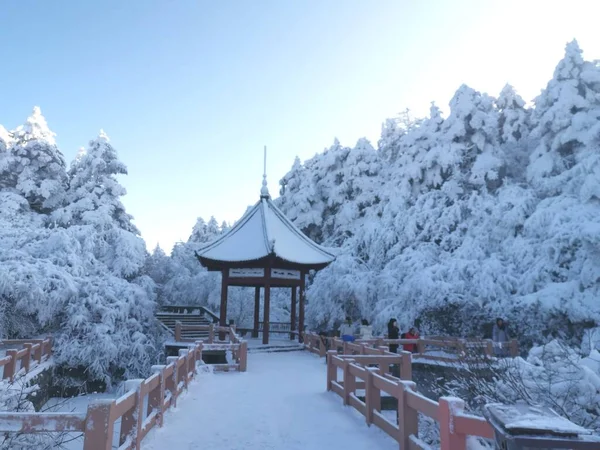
[{"x": 189, "y": 91}]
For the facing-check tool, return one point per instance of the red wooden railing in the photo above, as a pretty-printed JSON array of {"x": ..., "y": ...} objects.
[
  {"x": 459, "y": 349},
  {"x": 455, "y": 425},
  {"x": 232, "y": 342},
  {"x": 159, "y": 392},
  {"x": 34, "y": 352}
]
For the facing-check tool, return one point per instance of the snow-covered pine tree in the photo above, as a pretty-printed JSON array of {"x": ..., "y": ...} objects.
[
  {"x": 38, "y": 164},
  {"x": 95, "y": 192},
  {"x": 471, "y": 134},
  {"x": 7, "y": 178},
  {"x": 514, "y": 130},
  {"x": 559, "y": 269}
]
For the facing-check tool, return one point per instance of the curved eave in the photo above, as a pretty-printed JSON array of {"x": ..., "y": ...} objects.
[
  {"x": 329, "y": 255},
  {"x": 270, "y": 261}
]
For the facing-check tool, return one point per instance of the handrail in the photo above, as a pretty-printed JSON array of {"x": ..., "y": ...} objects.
[
  {"x": 233, "y": 342},
  {"x": 204, "y": 309},
  {"x": 465, "y": 350},
  {"x": 455, "y": 425},
  {"x": 158, "y": 392},
  {"x": 34, "y": 352}
]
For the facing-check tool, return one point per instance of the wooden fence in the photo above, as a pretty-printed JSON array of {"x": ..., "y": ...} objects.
[
  {"x": 455, "y": 350},
  {"x": 455, "y": 425},
  {"x": 140, "y": 409},
  {"x": 34, "y": 352},
  {"x": 231, "y": 342},
  {"x": 158, "y": 392}
]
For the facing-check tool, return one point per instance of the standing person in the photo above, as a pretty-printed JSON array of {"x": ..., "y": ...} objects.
[
  {"x": 366, "y": 330},
  {"x": 412, "y": 334},
  {"x": 347, "y": 331},
  {"x": 500, "y": 337},
  {"x": 393, "y": 333}
]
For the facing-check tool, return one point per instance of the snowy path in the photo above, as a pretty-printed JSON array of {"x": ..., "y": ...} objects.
[{"x": 280, "y": 403}]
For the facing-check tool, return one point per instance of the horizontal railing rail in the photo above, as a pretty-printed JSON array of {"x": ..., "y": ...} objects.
[
  {"x": 22, "y": 361},
  {"x": 455, "y": 350},
  {"x": 455, "y": 424},
  {"x": 231, "y": 342},
  {"x": 187, "y": 309}
]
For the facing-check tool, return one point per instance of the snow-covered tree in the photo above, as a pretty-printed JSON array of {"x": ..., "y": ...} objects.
[
  {"x": 514, "y": 130},
  {"x": 464, "y": 221},
  {"x": 37, "y": 164},
  {"x": 94, "y": 191}
]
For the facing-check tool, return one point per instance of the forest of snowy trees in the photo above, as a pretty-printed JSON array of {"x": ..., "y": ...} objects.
[
  {"x": 72, "y": 264},
  {"x": 493, "y": 211},
  {"x": 451, "y": 222}
]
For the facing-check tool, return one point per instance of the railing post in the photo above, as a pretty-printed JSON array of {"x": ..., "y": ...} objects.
[
  {"x": 192, "y": 361},
  {"x": 49, "y": 346},
  {"x": 322, "y": 346},
  {"x": 160, "y": 396},
  {"x": 178, "y": 331},
  {"x": 408, "y": 418},
  {"x": 185, "y": 375},
  {"x": 99, "y": 425},
  {"x": 243, "y": 356},
  {"x": 449, "y": 406},
  {"x": 10, "y": 368},
  {"x": 372, "y": 397},
  {"x": 331, "y": 369},
  {"x": 489, "y": 348},
  {"x": 514, "y": 348},
  {"x": 211, "y": 333},
  {"x": 172, "y": 383},
  {"x": 406, "y": 366},
  {"x": 349, "y": 381},
  {"x": 27, "y": 358},
  {"x": 420, "y": 347},
  {"x": 37, "y": 354},
  {"x": 384, "y": 367},
  {"x": 131, "y": 422},
  {"x": 200, "y": 344}
]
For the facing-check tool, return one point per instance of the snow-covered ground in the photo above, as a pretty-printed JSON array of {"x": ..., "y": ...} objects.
[{"x": 280, "y": 403}]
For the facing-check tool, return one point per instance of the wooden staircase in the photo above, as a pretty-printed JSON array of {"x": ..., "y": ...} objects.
[{"x": 187, "y": 315}]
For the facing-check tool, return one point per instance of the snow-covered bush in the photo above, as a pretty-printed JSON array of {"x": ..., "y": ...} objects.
[{"x": 557, "y": 376}]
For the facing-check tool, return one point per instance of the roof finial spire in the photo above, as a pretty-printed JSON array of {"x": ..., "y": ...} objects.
[{"x": 264, "y": 191}]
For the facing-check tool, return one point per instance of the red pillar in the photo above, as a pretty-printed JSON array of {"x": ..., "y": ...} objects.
[
  {"x": 301, "y": 307},
  {"x": 266, "y": 314},
  {"x": 256, "y": 311},
  {"x": 223, "y": 310},
  {"x": 293, "y": 313}
]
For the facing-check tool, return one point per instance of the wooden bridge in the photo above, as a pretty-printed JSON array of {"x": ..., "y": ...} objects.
[{"x": 360, "y": 373}]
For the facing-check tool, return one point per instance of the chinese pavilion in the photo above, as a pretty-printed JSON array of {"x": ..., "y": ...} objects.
[{"x": 265, "y": 249}]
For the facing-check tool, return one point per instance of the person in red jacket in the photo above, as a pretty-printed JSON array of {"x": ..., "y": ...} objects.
[{"x": 412, "y": 334}]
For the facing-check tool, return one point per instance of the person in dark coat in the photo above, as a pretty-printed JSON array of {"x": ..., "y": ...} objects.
[
  {"x": 500, "y": 337},
  {"x": 393, "y": 333}
]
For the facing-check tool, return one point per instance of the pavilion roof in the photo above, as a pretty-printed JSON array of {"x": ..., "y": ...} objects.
[{"x": 262, "y": 233}]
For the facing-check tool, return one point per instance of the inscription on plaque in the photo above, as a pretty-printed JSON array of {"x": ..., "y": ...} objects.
[
  {"x": 284, "y": 273},
  {"x": 246, "y": 273}
]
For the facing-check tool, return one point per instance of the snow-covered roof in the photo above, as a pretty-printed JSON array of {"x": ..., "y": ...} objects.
[{"x": 262, "y": 232}]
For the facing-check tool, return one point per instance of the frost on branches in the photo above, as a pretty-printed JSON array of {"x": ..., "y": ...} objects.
[
  {"x": 71, "y": 262},
  {"x": 491, "y": 212}
]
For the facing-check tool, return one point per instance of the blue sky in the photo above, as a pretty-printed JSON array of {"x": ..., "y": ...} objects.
[{"x": 190, "y": 91}]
